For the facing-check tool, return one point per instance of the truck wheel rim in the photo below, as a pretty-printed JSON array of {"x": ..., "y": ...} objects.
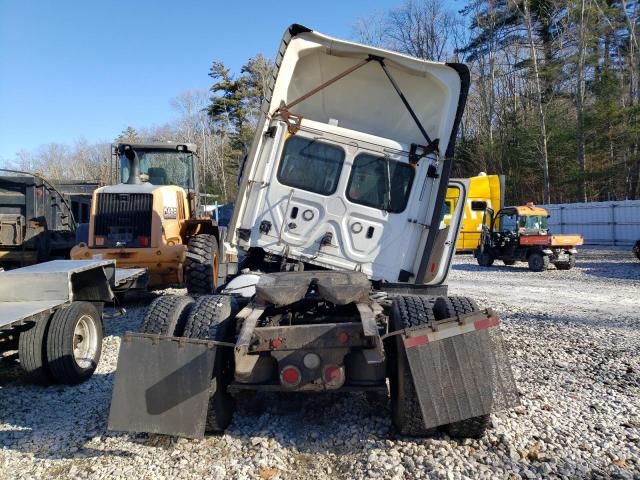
[{"x": 85, "y": 342}]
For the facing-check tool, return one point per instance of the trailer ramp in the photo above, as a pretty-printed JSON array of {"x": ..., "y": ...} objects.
[{"x": 460, "y": 368}]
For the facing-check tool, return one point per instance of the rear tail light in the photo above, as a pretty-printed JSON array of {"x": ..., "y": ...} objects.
[
  {"x": 143, "y": 241},
  {"x": 333, "y": 376},
  {"x": 290, "y": 376},
  {"x": 99, "y": 241}
]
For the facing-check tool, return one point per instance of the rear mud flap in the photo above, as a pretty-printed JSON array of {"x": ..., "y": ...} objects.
[
  {"x": 162, "y": 385},
  {"x": 461, "y": 370}
]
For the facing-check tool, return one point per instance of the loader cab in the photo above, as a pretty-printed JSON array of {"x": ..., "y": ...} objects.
[
  {"x": 157, "y": 164},
  {"x": 505, "y": 230},
  {"x": 521, "y": 221}
]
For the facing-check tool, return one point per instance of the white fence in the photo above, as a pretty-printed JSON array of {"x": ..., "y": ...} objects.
[{"x": 600, "y": 223}]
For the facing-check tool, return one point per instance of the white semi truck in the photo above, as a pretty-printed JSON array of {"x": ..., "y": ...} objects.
[{"x": 336, "y": 258}]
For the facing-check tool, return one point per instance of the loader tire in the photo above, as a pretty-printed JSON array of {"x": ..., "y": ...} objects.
[
  {"x": 566, "y": 265},
  {"x": 485, "y": 259},
  {"x": 74, "y": 343},
  {"x": 167, "y": 315},
  {"x": 212, "y": 317},
  {"x": 32, "y": 351},
  {"x": 538, "y": 262},
  {"x": 407, "y": 311},
  {"x": 201, "y": 265},
  {"x": 446, "y": 307}
]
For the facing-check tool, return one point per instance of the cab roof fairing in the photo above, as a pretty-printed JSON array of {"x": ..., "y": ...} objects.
[
  {"x": 526, "y": 210},
  {"x": 159, "y": 146},
  {"x": 365, "y": 100}
]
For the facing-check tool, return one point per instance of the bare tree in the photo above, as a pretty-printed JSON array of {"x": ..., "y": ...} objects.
[
  {"x": 421, "y": 28},
  {"x": 544, "y": 151},
  {"x": 371, "y": 30}
]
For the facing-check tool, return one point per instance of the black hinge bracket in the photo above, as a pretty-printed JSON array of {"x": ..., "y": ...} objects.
[{"x": 418, "y": 152}]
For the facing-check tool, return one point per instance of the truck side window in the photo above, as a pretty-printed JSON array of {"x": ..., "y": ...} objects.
[
  {"x": 311, "y": 165},
  {"x": 380, "y": 183},
  {"x": 478, "y": 206},
  {"x": 508, "y": 223}
]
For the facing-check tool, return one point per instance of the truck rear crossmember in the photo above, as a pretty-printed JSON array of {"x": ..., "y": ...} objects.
[{"x": 313, "y": 358}]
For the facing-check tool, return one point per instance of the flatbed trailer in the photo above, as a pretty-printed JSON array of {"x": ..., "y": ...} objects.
[{"x": 51, "y": 313}]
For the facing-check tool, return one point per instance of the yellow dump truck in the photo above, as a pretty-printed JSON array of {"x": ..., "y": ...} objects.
[{"x": 485, "y": 191}]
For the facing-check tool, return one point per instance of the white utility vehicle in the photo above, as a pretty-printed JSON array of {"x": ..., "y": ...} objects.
[{"x": 343, "y": 257}]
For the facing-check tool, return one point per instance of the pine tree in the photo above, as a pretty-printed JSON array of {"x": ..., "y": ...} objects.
[{"x": 128, "y": 135}]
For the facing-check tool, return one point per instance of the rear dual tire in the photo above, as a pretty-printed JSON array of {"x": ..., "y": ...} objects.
[
  {"x": 64, "y": 348},
  {"x": 212, "y": 317},
  {"x": 413, "y": 311},
  {"x": 167, "y": 316},
  {"x": 209, "y": 317},
  {"x": 407, "y": 311}
]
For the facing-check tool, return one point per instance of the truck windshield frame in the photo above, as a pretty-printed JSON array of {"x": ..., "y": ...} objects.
[
  {"x": 533, "y": 222},
  {"x": 162, "y": 167}
]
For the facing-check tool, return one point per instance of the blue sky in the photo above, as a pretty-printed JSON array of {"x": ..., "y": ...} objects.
[{"x": 72, "y": 69}]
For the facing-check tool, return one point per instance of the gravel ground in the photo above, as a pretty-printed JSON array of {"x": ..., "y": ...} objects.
[{"x": 574, "y": 339}]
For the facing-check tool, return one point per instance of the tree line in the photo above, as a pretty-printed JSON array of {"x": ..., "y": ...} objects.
[
  {"x": 554, "y": 102},
  {"x": 555, "y": 98},
  {"x": 219, "y": 121}
]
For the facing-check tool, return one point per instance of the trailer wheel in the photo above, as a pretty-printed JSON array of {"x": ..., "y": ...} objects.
[
  {"x": 485, "y": 259},
  {"x": 212, "y": 318},
  {"x": 566, "y": 265},
  {"x": 538, "y": 262},
  {"x": 201, "y": 265},
  {"x": 32, "y": 351},
  {"x": 407, "y": 311},
  {"x": 74, "y": 343},
  {"x": 446, "y": 307},
  {"x": 167, "y": 315}
]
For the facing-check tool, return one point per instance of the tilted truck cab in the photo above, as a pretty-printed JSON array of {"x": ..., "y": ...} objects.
[{"x": 344, "y": 255}]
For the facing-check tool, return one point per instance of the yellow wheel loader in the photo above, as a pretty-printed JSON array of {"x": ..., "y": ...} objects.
[{"x": 153, "y": 220}]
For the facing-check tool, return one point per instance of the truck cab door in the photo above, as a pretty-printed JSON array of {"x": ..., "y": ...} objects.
[
  {"x": 445, "y": 245},
  {"x": 487, "y": 227}
]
